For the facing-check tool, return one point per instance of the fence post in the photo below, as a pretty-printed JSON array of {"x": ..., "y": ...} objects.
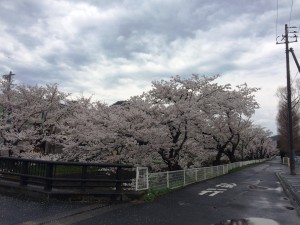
[
  {"x": 147, "y": 177},
  {"x": 196, "y": 174},
  {"x": 204, "y": 173},
  {"x": 142, "y": 177},
  {"x": 24, "y": 173},
  {"x": 137, "y": 173},
  {"x": 168, "y": 180},
  {"x": 184, "y": 177},
  {"x": 49, "y": 175}
]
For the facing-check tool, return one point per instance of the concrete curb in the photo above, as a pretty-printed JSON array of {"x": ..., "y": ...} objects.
[{"x": 290, "y": 192}]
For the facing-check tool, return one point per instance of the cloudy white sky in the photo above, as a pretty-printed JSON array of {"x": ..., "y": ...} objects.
[{"x": 113, "y": 49}]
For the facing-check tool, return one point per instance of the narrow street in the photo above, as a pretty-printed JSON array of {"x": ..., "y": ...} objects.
[
  {"x": 254, "y": 192},
  {"x": 250, "y": 193}
]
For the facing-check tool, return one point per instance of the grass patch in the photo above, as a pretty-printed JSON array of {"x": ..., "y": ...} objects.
[{"x": 153, "y": 194}]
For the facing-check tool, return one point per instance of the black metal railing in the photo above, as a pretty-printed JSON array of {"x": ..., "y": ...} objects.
[{"x": 75, "y": 176}]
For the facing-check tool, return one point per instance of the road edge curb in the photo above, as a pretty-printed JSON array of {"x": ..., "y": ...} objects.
[{"x": 290, "y": 192}]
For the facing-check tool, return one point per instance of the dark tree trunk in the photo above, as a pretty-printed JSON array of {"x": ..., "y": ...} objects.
[
  {"x": 218, "y": 158},
  {"x": 231, "y": 157},
  {"x": 174, "y": 166},
  {"x": 171, "y": 159}
]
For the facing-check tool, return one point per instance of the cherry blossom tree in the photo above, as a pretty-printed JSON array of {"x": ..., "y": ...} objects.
[
  {"x": 179, "y": 123},
  {"x": 256, "y": 143},
  {"x": 180, "y": 105},
  {"x": 229, "y": 115},
  {"x": 261, "y": 145},
  {"x": 85, "y": 133},
  {"x": 138, "y": 133},
  {"x": 29, "y": 115}
]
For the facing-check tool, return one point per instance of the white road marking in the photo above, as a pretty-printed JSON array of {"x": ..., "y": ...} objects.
[
  {"x": 214, "y": 191},
  {"x": 225, "y": 185}
]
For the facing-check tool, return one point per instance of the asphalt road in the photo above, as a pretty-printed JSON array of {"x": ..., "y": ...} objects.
[
  {"x": 250, "y": 193},
  {"x": 15, "y": 211}
]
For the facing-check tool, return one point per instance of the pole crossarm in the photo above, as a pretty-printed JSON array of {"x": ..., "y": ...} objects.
[
  {"x": 286, "y": 36},
  {"x": 8, "y": 76}
]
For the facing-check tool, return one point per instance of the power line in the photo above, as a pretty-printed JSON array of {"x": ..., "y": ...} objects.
[
  {"x": 277, "y": 21},
  {"x": 291, "y": 12},
  {"x": 293, "y": 80}
]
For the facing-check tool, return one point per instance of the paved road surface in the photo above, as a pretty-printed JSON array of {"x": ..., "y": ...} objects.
[
  {"x": 251, "y": 193},
  {"x": 257, "y": 194},
  {"x": 14, "y": 211}
]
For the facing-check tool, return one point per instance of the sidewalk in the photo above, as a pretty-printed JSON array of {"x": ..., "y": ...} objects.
[{"x": 291, "y": 183}]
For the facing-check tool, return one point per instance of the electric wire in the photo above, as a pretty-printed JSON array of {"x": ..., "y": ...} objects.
[
  {"x": 291, "y": 12},
  {"x": 277, "y": 21},
  {"x": 294, "y": 79}
]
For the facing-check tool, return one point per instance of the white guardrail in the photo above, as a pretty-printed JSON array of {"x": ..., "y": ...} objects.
[{"x": 180, "y": 178}]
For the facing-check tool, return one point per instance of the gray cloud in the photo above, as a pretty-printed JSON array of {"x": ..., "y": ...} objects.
[{"x": 114, "y": 49}]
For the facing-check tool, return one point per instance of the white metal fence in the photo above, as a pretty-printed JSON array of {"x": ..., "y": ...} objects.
[
  {"x": 286, "y": 161},
  {"x": 142, "y": 179},
  {"x": 179, "y": 178}
]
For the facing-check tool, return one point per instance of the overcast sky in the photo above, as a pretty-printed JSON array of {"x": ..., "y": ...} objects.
[{"x": 114, "y": 49}]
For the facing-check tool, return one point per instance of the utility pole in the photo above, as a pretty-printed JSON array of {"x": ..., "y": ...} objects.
[
  {"x": 8, "y": 77},
  {"x": 285, "y": 37}
]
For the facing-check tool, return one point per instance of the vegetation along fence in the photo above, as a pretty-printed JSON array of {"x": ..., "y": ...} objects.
[
  {"x": 180, "y": 178},
  {"x": 54, "y": 176}
]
